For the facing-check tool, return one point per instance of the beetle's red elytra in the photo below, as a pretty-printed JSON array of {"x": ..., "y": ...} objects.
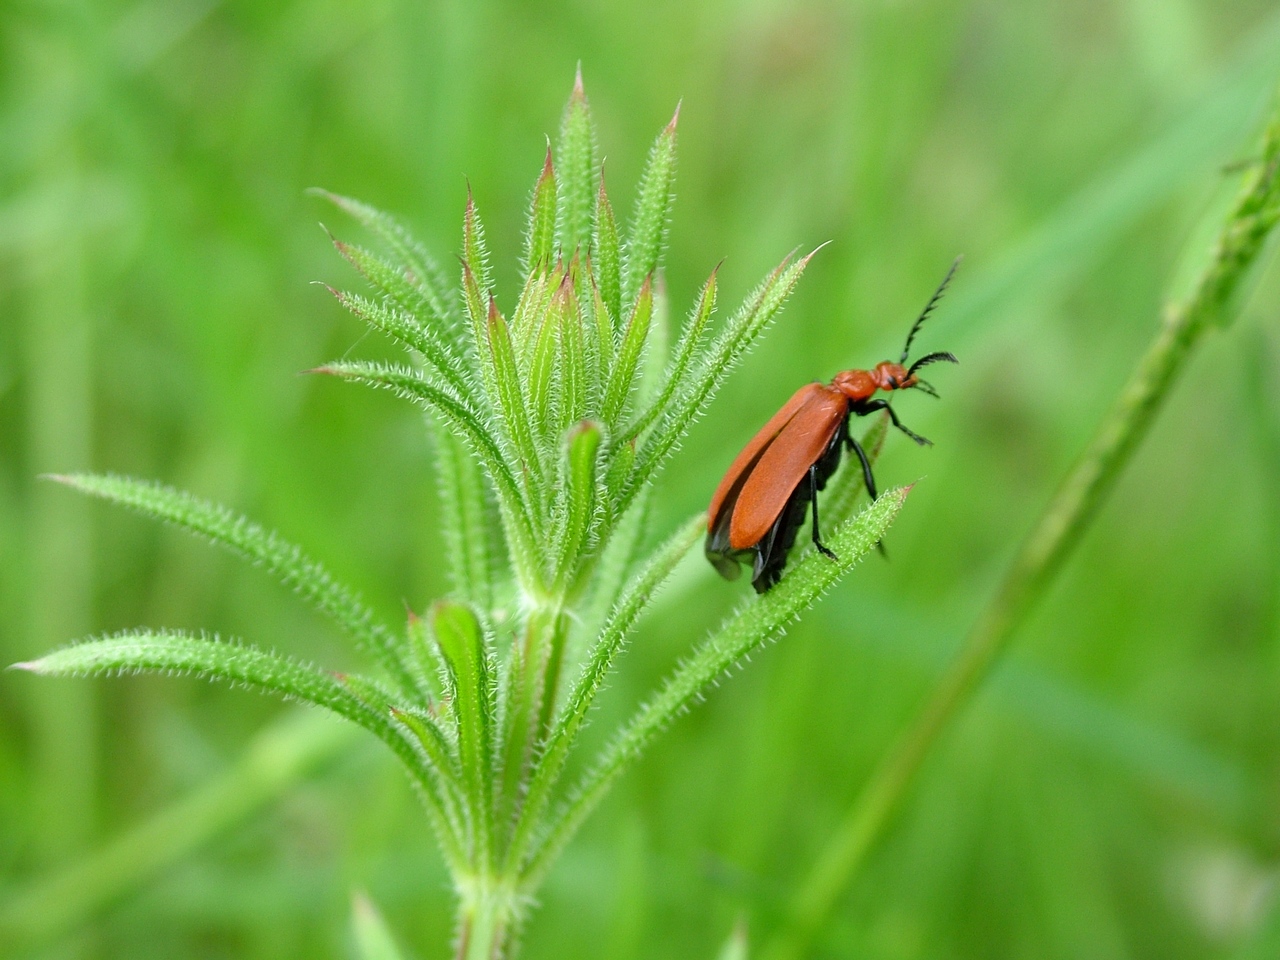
[{"x": 762, "y": 500}]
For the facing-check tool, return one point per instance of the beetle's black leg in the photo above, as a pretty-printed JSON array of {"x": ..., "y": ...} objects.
[
  {"x": 873, "y": 405},
  {"x": 813, "y": 496},
  {"x": 867, "y": 478}
]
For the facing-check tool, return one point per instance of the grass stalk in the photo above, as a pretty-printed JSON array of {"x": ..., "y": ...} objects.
[
  {"x": 1212, "y": 303},
  {"x": 281, "y": 755}
]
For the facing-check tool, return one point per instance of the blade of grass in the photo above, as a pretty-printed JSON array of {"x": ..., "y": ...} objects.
[
  {"x": 1042, "y": 555},
  {"x": 280, "y": 756},
  {"x": 372, "y": 936}
]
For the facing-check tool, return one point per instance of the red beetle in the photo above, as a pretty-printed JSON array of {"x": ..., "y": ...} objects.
[{"x": 762, "y": 500}]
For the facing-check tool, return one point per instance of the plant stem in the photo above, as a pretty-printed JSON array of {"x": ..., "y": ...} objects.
[
  {"x": 486, "y": 917},
  {"x": 1050, "y": 543}
]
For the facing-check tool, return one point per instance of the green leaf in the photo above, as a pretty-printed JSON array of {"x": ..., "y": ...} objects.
[
  {"x": 690, "y": 341},
  {"x": 397, "y": 283},
  {"x": 475, "y": 252},
  {"x": 607, "y": 254},
  {"x": 373, "y": 939},
  {"x": 506, "y": 373},
  {"x": 417, "y": 266},
  {"x": 739, "y": 335},
  {"x": 756, "y": 622},
  {"x": 477, "y": 284},
  {"x": 611, "y": 639},
  {"x": 579, "y": 506},
  {"x": 572, "y": 382},
  {"x": 177, "y": 653},
  {"x": 411, "y": 386},
  {"x": 648, "y": 235},
  {"x": 473, "y": 548},
  {"x": 261, "y": 547},
  {"x": 577, "y": 152},
  {"x": 466, "y": 657},
  {"x": 540, "y": 243},
  {"x": 623, "y": 375},
  {"x": 438, "y": 756},
  {"x": 542, "y": 369},
  {"x": 527, "y": 320},
  {"x": 653, "y": 360},
  {"x": 603, "y": 336},
  {"x": 477, "y": 432},
  {"x": 736, "y": 947},
  {"x": 401, "y": 326}
]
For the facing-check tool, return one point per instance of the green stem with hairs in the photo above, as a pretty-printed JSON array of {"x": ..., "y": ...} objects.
[{"x": 1042, "y": 555}]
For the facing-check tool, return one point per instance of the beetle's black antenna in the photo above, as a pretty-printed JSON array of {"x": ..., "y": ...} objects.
[
  {"x": 929, "y": 358},
  {"x": 928, "y": 308},
  {"x": 924, "y": 386}
]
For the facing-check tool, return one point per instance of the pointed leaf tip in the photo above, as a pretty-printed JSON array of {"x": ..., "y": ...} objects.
[
  {"x": 675, "y": 117},
  {"x": 579, "y": 92},
  {"x": 30, "y": 666},
  {"x": 804, "y": 261},
  {"x": 548, "y": 168}
]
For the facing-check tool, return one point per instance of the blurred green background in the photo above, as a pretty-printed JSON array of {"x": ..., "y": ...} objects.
[{"x": 1115, "y": 792}]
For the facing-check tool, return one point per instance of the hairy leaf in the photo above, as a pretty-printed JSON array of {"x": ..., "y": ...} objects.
[
  {"x": 540, "y": 243},
  {"x": 511, "y": 400},
  {"x": 690, "y": 341},
  {"x": 623, "y": 375},
  {"x": 579, "y": 499},
  {"x": 477, "y": 432},
  {"x": 572, "y": 382},
  {"x": 402, "y": 326},
  {"x": 739, "y": 335},
  {"x": 607, "y": 256},
  {"x": 463, "y": 650},
  {"x": 473, "y": 549},
  {"x": 648, "y": 234},
  {"x": 419, "y": 267},
  {"x": 177, "y": 653},
  {"x": 577, "y": 152},
  {"x": 262, "y": 547}
]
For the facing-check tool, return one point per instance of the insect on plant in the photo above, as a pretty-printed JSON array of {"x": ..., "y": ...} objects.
[
  {"x": 761, "y": 502},
  {"x": 550, "y": 422}
]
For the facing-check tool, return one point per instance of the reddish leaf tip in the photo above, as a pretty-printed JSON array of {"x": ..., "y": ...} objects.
[
  {"x": 548, "y": 169},
  {"x": 675, "y": 118},
  {"x": 579, "y": 92},
  {"x": 812, "y": 253}
]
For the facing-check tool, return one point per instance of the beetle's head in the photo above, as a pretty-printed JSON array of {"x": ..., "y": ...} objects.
[{"x": 893, "y": 376}]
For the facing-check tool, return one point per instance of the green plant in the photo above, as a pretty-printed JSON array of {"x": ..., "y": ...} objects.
[{"x": 550, "y": 424}]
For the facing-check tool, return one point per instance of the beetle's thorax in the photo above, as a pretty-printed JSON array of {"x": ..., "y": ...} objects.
[{"x": 861, "y": 384}]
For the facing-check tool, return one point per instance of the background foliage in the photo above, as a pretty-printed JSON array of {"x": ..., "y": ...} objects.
[{"x": 1114, "y": 793}]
